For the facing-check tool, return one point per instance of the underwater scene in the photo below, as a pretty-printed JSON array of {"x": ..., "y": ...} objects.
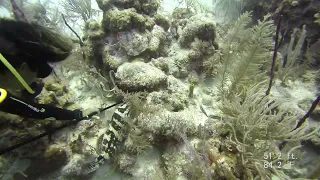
[{"x": 159, "y": 89}]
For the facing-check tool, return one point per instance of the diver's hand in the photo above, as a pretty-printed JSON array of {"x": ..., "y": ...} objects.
[{"x": 91, "y": 113}]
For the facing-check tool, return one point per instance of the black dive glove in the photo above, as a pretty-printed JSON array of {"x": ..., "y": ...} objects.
[{"x": 29, "y": 109}]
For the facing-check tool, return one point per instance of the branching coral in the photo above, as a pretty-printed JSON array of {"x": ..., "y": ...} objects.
[
  {"x": 253, "y": 55},
  {"x": 254, "y": 122},
  {"x": 232, "y": 40},
  {"x": 290, "y": 67},
  {"x": 80, "y": 8},
  {"x": 246, "y": 53}
]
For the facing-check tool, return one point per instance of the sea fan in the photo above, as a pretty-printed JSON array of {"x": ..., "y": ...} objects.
[
  {"x": 292, "y": 54},
  {"x": 254, "y": 126},
  {"x": 79, "y": 8},
  {"x": 247, "y": 55},
  {"x": 230, "y": 44},
  {"x": 247, "y": 68}
]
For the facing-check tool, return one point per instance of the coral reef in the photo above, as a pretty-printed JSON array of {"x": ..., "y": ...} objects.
[
  {"x": 125, "y": 20},
  {"x": 193, "y": 102},
  {"x": 170, "y": 111}
]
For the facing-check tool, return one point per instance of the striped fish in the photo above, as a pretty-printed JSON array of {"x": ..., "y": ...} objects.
[{"x": 110, "y": 140}]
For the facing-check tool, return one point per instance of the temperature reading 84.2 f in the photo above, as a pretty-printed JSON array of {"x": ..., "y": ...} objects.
[{"x": 272, "y": 160}]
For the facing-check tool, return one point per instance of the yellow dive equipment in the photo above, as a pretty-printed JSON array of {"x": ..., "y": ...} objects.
[
  {"x": 3, "y": 95},
  {"x": 16, "y": 74}
]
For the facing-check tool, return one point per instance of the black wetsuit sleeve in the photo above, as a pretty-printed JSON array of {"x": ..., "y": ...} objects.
[{"x": 30, "y": 109}]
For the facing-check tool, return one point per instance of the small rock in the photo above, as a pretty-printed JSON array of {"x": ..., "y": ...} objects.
[{"x": 140, "y": 76}]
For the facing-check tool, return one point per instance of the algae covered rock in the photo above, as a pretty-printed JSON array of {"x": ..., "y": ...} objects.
[
  {"x": 182, "y": 13},
  {"x": 104, "y": 4},
  {"x": 161, "y": 21},
  {"x": 180, "y": 17},
  {"x": 93, "y": 38},
  {"x": 139, "y": 76},
  {"x": 161, "y": 63},
  {"x": 112, "y": 62},
  {"x": 115, "y": 20},
  {"x": 169, "y": 123},
  {"x": 176, "y": 98},
  {"x": 198, "y": 26},
  {"x": 92, "y": 30},
  {"x": 157, "y": 38},
  {"x": 125, "y": 20},
  {"x": 148, "y": 7},
  {"x": 134, "y": 42},
  {"x": 56, "y": 94},
  {"x": 53, "y": 153}
]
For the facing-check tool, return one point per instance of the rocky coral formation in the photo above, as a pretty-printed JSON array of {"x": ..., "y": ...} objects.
[
  {"x": 92, "y": 30},
  {"x": 130, "y": 32},
  {"x": 148, "y": 7},
  {"x": 134, "y": 33},
  {"x": 112, "y": 62},
  {"x": 162, "y": 21},
  {"x": 199, "y": 59},
  {"x": 57, "y": 95},
  {"x": 180, "y": 17},
  {"x": 133, "y": 42},
  {"x": 93, "y": 38},
  {"x": 125, "y": 20},
  {"x": 139, "y": 76},
  {"x": 158, "y": 36},
  {"x": 198, "y": 26},
  {"x": 176, "y": 126}
]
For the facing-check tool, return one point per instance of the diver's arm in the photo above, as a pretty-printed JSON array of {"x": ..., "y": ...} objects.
[{"x": 14, "y": 105}]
